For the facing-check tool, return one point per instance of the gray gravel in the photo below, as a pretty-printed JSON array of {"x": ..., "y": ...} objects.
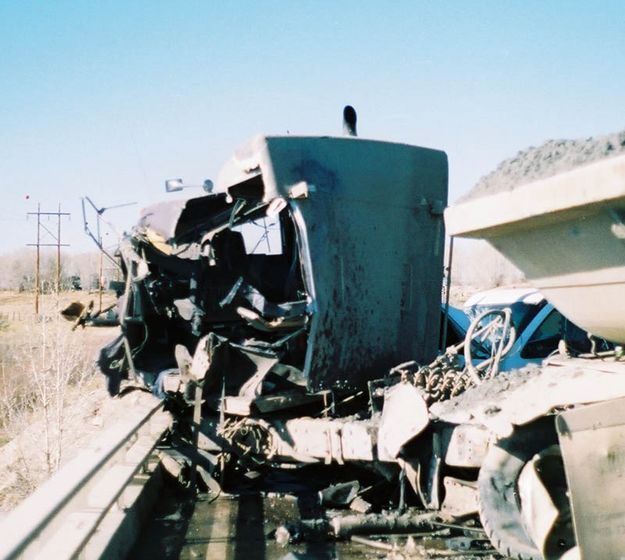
[
  {"x": 550, "y": 158},
  {"x": 487, "y": 391}
]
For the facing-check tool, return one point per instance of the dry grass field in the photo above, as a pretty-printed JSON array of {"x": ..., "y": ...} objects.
[{"x": 51, "y": 399}]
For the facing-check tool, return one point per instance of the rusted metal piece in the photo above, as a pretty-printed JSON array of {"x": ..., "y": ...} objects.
[
  {"x": 339, "y": 495},
  {"x": 344, "y": 526},
  {"x": 391, "y": 523}
]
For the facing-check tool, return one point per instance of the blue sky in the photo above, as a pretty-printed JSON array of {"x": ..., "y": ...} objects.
[{"x": 108, "y": 99}]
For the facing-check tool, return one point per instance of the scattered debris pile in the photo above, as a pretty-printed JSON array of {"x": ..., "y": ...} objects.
[{"x": 407, "y": 534}]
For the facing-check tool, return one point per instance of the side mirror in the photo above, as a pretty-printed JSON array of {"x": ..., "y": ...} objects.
[{"x": 173, "y": 185}]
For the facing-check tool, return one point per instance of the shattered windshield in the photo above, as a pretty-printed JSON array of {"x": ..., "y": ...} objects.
[
  {"x": 522, "y": 313},
  {"x": 262, "y": 236}
]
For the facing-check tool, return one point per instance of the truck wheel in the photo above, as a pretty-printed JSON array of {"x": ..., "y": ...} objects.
[{"x": 524, "y": 520}]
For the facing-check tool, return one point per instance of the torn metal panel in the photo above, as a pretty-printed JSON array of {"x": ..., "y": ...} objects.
[
  {"x": 544, "y": 502},
  {"x": 339, "y": 495},
  {"x": 180, "y": 221},
  {"x": 162, "y": 217},
  {"x": 592, "y": 440},
  {"x": 404, "y": 416},
  {"x": 240, "y": 370},
  {"x": 287, "y": 310}
]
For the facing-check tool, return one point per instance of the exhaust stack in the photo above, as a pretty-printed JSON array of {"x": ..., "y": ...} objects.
[{"x": 349, "y": 121}]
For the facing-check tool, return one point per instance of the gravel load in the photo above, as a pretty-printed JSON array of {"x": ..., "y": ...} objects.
[
  {"x": 489, "y": 390},
  {"x": 546, "y": 160}
]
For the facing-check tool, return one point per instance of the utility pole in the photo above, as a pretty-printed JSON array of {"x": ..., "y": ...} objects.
[{"x": 39, "y": 244}]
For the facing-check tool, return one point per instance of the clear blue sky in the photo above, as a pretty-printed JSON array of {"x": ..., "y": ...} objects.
[{"x": 108, "y": 99}]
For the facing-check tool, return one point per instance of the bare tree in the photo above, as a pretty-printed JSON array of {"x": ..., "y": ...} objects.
[
  {"x": 477, "y": 264},
  {"x": 17, "y": 269},
  {"x": 43, "y": 367}
]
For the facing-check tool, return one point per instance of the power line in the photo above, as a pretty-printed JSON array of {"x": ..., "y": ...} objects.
[{"x": 39, "y": 244}]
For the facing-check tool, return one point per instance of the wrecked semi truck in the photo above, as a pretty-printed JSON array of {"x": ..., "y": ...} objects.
[
  {"x": 311, "y": 261},
  {"x": 291, "y": 317}
]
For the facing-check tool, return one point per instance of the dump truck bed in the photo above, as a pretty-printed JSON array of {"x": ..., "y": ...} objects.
[{"x": 567, "y": 234}]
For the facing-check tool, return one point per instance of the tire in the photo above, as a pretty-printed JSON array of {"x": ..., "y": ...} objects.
[{"x": 499, "y": 502}]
